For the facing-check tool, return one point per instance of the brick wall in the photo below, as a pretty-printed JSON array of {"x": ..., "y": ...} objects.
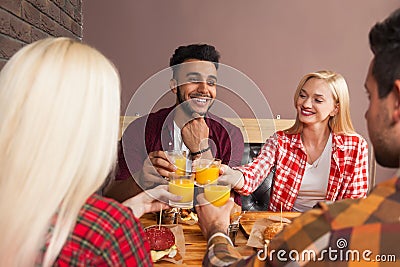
[{"x": 25, "y": 21}]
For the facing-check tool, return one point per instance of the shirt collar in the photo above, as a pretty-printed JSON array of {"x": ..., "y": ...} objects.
[{"x": 337, "y": 142}]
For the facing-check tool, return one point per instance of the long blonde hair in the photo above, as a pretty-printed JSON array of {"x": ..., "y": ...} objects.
[
  {"x": 59, "y": 118},
  {"x": 341, "y": 122}
]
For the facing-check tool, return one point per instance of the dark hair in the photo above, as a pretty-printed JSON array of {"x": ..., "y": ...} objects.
[
  {"x": 384, "y": 39},
  {"x": 194, "y": 51}
]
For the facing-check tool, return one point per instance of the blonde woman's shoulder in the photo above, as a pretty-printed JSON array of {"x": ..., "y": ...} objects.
[{"x": 351, "y": 139}]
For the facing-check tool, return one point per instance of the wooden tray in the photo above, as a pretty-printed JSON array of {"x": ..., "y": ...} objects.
[{"x": 248, "y": 219}]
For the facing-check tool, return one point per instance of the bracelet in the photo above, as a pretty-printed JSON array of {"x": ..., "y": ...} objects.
[
  {"x": 201, "y": 151},
  {"x": 221, "y": 235}
]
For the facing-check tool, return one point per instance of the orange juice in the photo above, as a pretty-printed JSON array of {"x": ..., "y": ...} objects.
[
  {"x": 180, "y": 164},
  {"x": 184, "y": 188},
  {"x": 218, "y": 195},
  {"x": 178, "y": 158},
  {"x": 206, "y": 175}
]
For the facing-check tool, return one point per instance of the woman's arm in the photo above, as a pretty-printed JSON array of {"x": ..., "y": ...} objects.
[{"x": 358, "y": 186}]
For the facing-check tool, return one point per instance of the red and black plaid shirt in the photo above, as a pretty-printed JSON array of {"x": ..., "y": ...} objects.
[
  {"x": 348, "y": 175},
  {"x": 106, "y": 234}
]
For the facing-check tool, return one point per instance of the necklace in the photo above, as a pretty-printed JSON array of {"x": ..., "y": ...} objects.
[{"x": 316, "y": 162}]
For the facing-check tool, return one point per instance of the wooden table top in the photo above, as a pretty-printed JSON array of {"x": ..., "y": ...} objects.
[{"x": 196, "y": 244}]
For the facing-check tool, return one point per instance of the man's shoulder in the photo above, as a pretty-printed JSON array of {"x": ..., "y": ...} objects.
[
  {"x": 160, "y": 114},
  {"x": 216, "y": 121},
  {"x": 153, "y": 120}
]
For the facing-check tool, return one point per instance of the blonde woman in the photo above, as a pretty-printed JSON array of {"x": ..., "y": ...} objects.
[
  {"x": 319, "y": 158},
  {"x": 59, "y": 123}
]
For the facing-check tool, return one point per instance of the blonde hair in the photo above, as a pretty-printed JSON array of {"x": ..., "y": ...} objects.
[
  {"x": 341, "y": 122},
  {"x": 60, "y": 104}
]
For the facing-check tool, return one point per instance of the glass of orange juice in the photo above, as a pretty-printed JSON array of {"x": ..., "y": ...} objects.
[
  {"x": 217, "y": 194},
  {"x": 207, "y": 170},
  {"x": 182, "y": 185},
  {"x": 178, "y": 158}
]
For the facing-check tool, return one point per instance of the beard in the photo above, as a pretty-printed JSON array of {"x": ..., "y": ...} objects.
[
  {"x": 386, "y": 153},
  {"x": 381, "y": 131},
  {"x": 187, "y": 108}
]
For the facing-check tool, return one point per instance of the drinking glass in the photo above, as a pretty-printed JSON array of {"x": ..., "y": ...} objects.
[
  {"x": 178, "y": 158},
  {"x": 182, "y": 185},
  {"x": 217, "y": 194},
  {"x": 206, "y": 170}
]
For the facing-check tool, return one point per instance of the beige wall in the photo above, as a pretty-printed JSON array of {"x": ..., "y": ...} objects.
[{"x": 273, "y": 42}]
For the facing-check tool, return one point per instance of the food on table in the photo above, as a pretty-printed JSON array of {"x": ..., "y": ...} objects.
[
  {"x": 168, "y": 216},
  {"x": 272, "y": 229},
  {"x": 188, "y": 215},
  {"x": 162, "y": 242}
]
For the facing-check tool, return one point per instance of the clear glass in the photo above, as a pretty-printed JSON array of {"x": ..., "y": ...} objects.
[
  {"x": 178, "y": 158},
  {"x": 217, "y": 194},
  {"x": 206, "y": 170},
  {"x": 182, "y": 185}
]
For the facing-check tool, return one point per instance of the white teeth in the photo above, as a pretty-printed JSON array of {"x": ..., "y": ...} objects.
[
  {"x": 306, "y": 112},
  {"x": 201, "y": 100}
]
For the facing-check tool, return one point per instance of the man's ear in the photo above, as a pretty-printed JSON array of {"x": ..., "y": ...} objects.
[
  {"x": 396, "y": 111},
  {"x": 173, "y": 85}
]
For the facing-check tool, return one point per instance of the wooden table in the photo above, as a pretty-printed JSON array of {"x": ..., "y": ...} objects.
[{"x": 196, "y": 244}]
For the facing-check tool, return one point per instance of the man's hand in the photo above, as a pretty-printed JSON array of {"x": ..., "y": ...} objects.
[
  {"x": 195, "y": 134},
  {"x": 151, "y": 200},
  {"x": 158, "y": 161},
  {"x": 213, "y": 219},
  {"x": 155, "y": 168}
]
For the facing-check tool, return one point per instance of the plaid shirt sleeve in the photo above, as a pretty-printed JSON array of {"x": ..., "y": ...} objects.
[
  {"x": 106, "y": 234},
  {"x": 347, "y": 233},
  {"x": 358, "y": 186},
  {"x": 255, "y": 172}
]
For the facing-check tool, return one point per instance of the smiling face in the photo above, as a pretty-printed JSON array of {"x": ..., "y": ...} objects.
[
  {"x": 380, "y": 122},
  {"x": 315, "y": 103},
  {"x": 195, "y": 86}
]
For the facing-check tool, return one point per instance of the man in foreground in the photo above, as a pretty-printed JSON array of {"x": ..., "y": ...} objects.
[{"x": 347, "y": 232}]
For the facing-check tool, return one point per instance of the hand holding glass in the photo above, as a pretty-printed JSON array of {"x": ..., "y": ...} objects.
[
  {"x": 182, "y": 185},
  {"x": 207, "y": 171},
  {"x": 178, "y": 158}
]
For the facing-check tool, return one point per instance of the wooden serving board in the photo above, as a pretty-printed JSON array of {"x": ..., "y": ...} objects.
[{"x": 249, "y": 218}]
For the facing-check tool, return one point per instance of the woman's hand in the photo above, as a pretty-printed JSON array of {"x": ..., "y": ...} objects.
[
  {"x": 229, "y": 176},
  {"x": 151, "y": 200}
]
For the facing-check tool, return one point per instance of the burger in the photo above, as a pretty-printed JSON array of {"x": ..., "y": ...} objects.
[
  {"x": 162, "y": 242},
  {"x": 273, "y": 229},
  {"x": 188, "y": 216}
]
